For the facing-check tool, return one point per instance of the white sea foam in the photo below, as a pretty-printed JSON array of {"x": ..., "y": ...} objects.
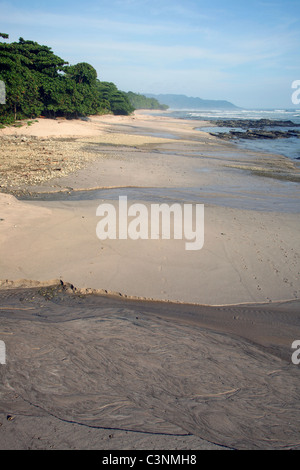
[{"x": 289, "y": 147}]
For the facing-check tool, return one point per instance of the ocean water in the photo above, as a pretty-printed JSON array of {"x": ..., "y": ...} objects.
[{"x": 289, "y": 147}]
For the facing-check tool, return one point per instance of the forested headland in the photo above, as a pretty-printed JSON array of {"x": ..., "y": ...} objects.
[
  {"x": 38, "y": 82},
  {"x": 139, "y": 101}
]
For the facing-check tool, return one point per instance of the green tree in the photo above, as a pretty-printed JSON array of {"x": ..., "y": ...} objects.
[
  {"x": 82, "y": 73},
  {"x": 139, "y": 101},
  {"x": 84, "y": 88},
  {"x": 119, "y": 102},
  {"x": 22, "y": 95},
  {"x": 24, "y": 68},
  {"x": 38, "y": 81}
]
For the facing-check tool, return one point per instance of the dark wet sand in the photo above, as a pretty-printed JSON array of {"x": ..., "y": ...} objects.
[{"x": 94, "y": 371}]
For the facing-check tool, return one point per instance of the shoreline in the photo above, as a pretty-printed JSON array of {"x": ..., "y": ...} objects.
[
  {"x": 56, "y": 149},
  {"x": 120, "y": 157},
  {"x": 140, "y": 344},
  {"x": 25, "y": 284}
]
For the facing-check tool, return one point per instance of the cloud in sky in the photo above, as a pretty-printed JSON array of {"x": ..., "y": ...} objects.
[{"x": 246, "y": 52}]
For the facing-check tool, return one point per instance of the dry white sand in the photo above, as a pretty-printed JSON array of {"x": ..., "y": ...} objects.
[
  {"x": 248, "y": 256},
  {"x": 87, "y": 375}
]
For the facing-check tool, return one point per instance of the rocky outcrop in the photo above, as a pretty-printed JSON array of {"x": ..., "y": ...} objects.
[
  {"x": 256, "y": 134},
  {"x": 254, "y": 123},
  {"x": 256, "y": 129}
]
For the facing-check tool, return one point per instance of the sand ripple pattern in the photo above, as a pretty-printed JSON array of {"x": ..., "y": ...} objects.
[{"x": 79, "y": 360}]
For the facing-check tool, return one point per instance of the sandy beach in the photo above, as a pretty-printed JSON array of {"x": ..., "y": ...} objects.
[{"x": 141, "y": 344}]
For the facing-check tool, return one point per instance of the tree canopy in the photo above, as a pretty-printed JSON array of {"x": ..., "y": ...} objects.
[
  {"x": 39, "y": 82},
  {"x": 139, "y": 101}
]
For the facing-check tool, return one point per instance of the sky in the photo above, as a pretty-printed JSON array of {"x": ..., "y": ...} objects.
[{"x": 244, "y": 51}]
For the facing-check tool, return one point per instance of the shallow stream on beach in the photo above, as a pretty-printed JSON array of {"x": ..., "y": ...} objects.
[
  {"x": 262, "y": 200},
  {"x": 229, "y": 177}
]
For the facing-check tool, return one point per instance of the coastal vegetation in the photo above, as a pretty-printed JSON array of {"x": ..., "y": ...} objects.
[
  {"x": 139, "y": 101},
  {"x": 38, "y": 82}
]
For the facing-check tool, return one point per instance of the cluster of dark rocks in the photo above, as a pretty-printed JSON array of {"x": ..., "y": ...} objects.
[
  {"x": 254, "y": 123},
  {"x": 256, "y": 134},
  {"x": 256, "y": 129}
]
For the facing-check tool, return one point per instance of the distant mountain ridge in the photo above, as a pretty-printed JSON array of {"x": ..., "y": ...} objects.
[{"x": 186, "y": 102}]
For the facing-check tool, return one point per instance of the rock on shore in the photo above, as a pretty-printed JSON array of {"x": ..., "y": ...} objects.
[{"x": 256, "y": 129}]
